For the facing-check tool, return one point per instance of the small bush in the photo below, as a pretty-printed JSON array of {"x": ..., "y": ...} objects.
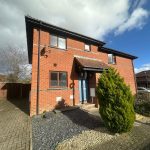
[
  {"x": 116, "y": 102},
  {"x": 44, "y": 114},
  {"x": 143, "y": 108}
]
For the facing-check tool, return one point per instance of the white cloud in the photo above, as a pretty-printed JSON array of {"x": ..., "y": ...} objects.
[
  {"x": 95, "y": 18},
  {"x": 142, "y": 68},
  {"x": 136, "y": 20}
]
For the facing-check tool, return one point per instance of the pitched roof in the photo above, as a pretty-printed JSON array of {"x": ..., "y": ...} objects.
[
  {"x": 143, "y": 73},
  {"x": 38, "y": 23},
  {"x": 35, "y": 23}
]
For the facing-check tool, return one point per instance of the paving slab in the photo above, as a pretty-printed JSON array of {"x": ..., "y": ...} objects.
[{"x": 14, "y": 125}]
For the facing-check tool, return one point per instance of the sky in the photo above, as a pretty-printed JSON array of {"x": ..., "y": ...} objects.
[{"x": 123, "y": 24}]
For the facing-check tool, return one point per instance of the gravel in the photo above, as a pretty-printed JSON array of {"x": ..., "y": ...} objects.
[
  {"x": 137, "y": 139},
  {"x": 57, "y": 127},
  {"x": 86, "y": 139},
  {"x": 78, "y": 130},
  {"x": 101, "y": 139}
]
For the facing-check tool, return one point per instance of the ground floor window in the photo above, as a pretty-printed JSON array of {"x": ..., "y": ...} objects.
[{"x": 58, "y": 79}]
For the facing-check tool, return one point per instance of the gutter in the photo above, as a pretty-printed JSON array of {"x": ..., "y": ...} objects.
[
  {"x": 58, "y": 29},
  {"x": 119, "y": 53}
]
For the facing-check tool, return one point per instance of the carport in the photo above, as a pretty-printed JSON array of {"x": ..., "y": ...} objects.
[{"x": 16, "y": 93}]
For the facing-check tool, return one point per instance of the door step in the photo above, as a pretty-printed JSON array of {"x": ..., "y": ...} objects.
[
  {"x": 87, "y": 106},
  {"x": 90, "y": 108},
  {"x": 94, "y": 111}
]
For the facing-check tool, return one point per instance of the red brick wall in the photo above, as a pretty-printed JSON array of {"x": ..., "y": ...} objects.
[
  {"x": 3, "y": 90},
  {"x": 64, "y": 61}
]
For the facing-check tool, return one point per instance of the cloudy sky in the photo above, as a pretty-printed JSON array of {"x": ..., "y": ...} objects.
[{"x": 123, "y": 24}]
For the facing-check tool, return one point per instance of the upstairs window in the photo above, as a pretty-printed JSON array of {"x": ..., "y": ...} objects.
[
  {"x": 87, "y": 47},
  {"x": 59, "y": 42},
  {"x": 53, "y": 41},
  {"x": 111, "y": 59},
  {"x": 58, "y": 79}
]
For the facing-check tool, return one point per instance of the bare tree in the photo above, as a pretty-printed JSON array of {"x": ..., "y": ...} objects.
[{"x": 14, "y": 63}]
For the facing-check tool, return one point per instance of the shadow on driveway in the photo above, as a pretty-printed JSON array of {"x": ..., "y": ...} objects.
[
  {"x": 83, "y": 118},
  {"x": 22, "y": 104}
]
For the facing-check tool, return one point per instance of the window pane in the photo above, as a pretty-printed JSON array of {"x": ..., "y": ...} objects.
[
  {"x": 113, "y": 59},
  {"x": 87, "y": 47},
  {"x": 110, "y": 58},
  {"x": 53, "y": 40},
  {"x": 54, "y": 79},
  {"x": 62, "y": 79},
  {"x": 62, "y": 43}
]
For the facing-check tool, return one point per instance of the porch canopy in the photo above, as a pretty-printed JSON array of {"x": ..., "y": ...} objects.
[{"x": 89, "y": 64}]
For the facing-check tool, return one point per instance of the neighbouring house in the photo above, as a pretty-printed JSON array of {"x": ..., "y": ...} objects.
[
  {"x": 143, "y": 79},
  {"x": 66, "y": 66}
]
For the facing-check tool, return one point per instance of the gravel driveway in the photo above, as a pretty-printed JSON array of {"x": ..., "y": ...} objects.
[{"x": 56, "y": 127}]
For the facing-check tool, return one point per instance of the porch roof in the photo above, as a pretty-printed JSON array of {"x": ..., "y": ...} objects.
[{"x": 89, "y": 64}]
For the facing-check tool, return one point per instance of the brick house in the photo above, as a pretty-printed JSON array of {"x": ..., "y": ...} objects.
[
  {"x": 66, "y": 66},
  {"x": 143, "y": 79}
]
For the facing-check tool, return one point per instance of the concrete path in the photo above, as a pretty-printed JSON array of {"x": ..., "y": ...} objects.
[{"x": 14, "y": 125}]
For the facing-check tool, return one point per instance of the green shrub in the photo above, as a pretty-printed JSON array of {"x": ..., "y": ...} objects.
[
  {"x": 143, "y": 108},
  {"x": 44, "y": 114},
  {"x": 116, "y": 102}
]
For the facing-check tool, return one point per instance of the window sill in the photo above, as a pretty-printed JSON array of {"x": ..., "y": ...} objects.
[
  {"x": 59, "y": 88},
  {"x": 87, "y": 50},
  {"x": 112, "y": 63},
  {"x": 62, "y": 49}
]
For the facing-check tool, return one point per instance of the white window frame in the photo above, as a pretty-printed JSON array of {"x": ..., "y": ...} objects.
[
  {"x": 57, "y": 45},
  {"x": 52, "y": 35},
  {"x": 58, "y": 38},
  {"x": 89, "y": 49},
  {"x": 111, "y": 59}
]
